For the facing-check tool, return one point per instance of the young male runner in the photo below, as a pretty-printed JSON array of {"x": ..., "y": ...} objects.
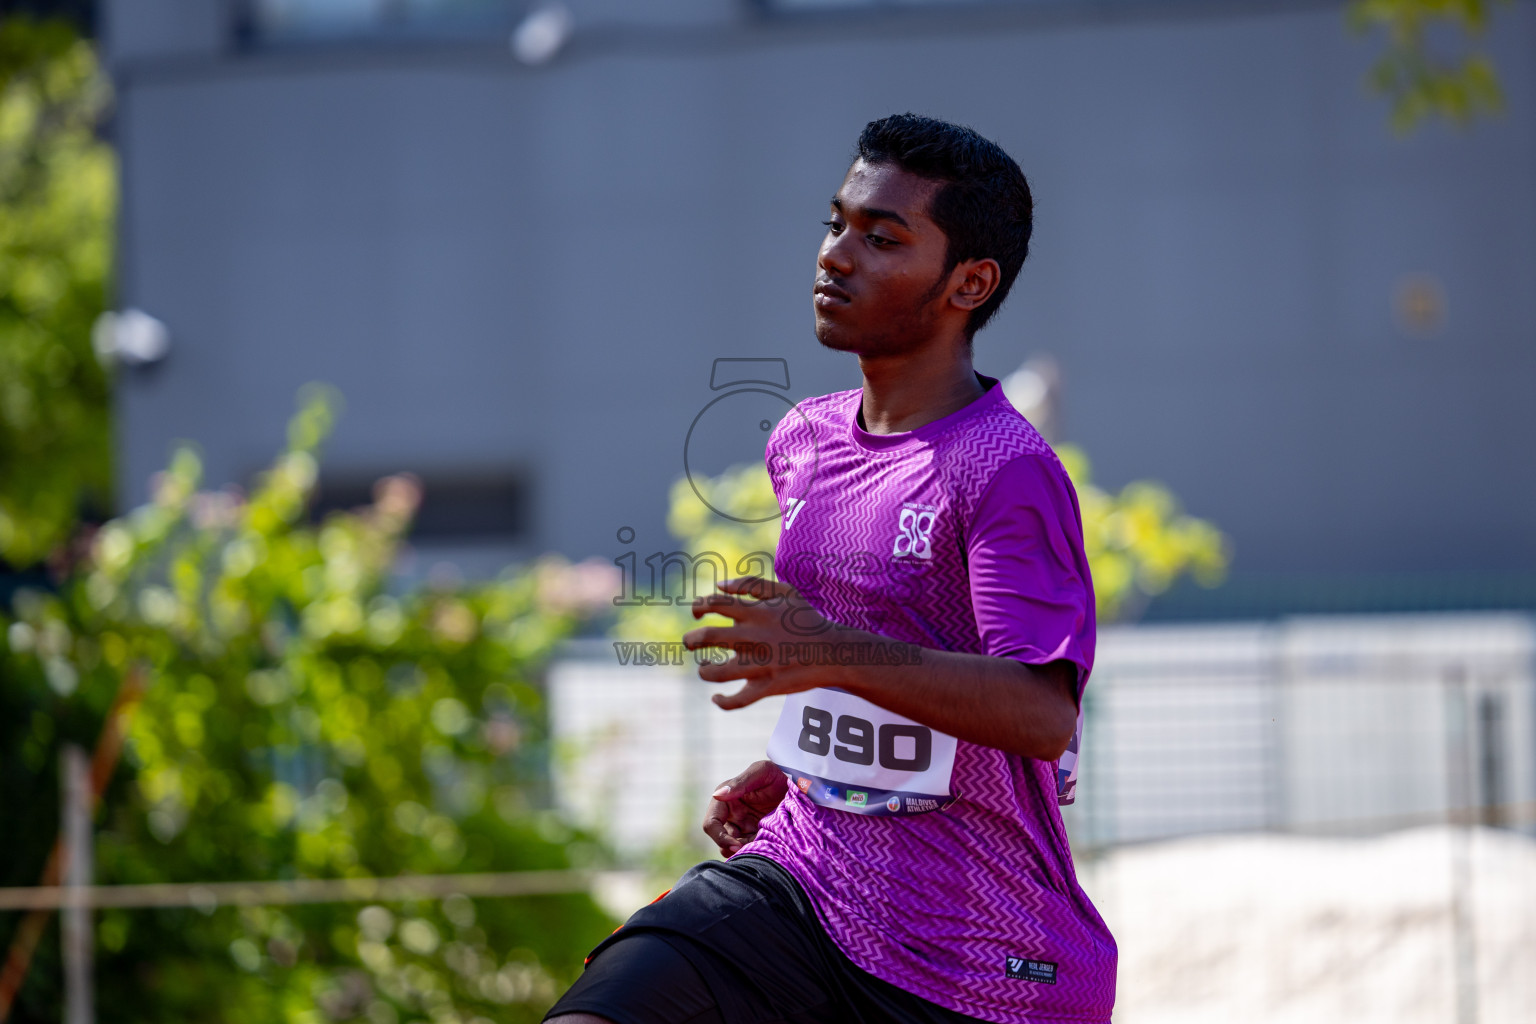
[{"x": 901, "y": 856}]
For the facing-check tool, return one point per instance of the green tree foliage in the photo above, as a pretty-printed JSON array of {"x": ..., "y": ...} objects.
[
  {"x": 1138, "y": 542},
  {"x": 300, "y": 719},
  {"x": 1423, "y": 72},
  {"x": 57, "y": 195}
]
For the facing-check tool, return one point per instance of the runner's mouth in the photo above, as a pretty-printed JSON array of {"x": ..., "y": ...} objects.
[{"x": 828, "y": 294}]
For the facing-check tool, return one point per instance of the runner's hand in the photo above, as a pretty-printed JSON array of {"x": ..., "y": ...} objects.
[
  {"x": 739, "y": 804},
  {"x": 767, "y": 617}
]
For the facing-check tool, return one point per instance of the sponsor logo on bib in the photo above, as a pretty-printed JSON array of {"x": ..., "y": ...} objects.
[
  {"x": 857, "y": 798},
  {"x": 893, "y": 804}
]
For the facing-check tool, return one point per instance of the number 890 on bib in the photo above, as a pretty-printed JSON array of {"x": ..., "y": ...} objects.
[
  {"x": 845, "y": 752},
  {"x": 900, "y": 746}
]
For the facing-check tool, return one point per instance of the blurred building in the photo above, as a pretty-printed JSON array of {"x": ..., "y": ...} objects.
[{"x": 516, "y": 240}]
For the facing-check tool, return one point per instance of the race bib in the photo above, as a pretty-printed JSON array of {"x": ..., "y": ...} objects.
[
  {"x": 1066, "y": 768},
  {"x": 842, "y": 751}
]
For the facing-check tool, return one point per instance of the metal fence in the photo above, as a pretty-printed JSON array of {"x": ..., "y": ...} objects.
[
  {"x": 1317, "y": 819},
  {"x": 1344, "y": 725},
  {"x": 1325, "y": 725}
]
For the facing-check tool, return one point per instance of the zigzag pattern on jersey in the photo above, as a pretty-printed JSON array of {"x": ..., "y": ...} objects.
[
  {"x": 972, "y": 458},
  {"x": 801, "y": 451},
  {"x": 796, "y": 444},
  {"x": 869, "y": 882},
  {"x": 1067, "y": 917},
  {"x": 811, "y": 445},
  {"x": 817, "y": 446},
  {"x": 969, "y": 460},
  {"x": 931, "y": 904},
  {"x": 1018, "y": 928},
  {"x": 849, "y": 864}
]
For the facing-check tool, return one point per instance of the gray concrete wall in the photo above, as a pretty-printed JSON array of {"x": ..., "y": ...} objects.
[{"x": 500, "y": 265}]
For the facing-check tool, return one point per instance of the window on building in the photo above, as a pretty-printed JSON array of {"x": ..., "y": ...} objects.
[{"x": 491, "y": 505}]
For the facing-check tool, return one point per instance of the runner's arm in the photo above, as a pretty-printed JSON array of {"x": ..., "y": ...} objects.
[{"x": 1029, "y": 710}]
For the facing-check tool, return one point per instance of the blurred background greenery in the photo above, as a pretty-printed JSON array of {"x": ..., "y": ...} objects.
[
  {"x": 58, "y": 193},
  {"x": 288, "y": 713},
  {"x": 296, "y": 718}
]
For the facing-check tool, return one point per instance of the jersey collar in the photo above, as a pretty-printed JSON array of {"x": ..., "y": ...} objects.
[{"x": 928, "y": 431}]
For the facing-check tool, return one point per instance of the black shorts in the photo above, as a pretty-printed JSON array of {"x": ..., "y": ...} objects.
[{"x": 735, "y": 942}]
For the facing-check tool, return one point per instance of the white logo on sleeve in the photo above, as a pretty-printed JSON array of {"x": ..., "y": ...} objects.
[
  {"x": 913, "y": 528},
  {"x": 792, "y": 507}
]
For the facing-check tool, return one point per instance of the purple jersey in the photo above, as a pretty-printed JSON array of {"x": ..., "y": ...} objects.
[{"x": 962, "y": 535}]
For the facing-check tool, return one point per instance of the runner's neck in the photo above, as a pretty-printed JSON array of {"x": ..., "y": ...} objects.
[{"x": 903, "y": 404}]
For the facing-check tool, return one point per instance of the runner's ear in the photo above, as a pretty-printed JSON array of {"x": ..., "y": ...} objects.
[{"x": 979, "y": 281}]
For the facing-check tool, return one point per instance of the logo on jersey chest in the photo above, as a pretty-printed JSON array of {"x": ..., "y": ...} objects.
[{"x": 914, "y": 531}]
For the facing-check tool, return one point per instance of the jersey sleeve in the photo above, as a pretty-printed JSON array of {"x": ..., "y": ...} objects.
[
  {"x": 1030, "y": 586},
  {"x": 777, "y": 462},
  {"x": 792, "y": 444}
]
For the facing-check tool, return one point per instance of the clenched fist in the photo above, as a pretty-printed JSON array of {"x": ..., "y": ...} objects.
[{"x": 739, "y": 804}]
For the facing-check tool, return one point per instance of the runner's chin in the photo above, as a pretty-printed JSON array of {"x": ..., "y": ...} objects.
[{"x": 833, "y": 334}]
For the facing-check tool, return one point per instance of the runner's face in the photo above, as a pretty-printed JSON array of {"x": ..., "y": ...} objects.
[{"x": 881, "y": 286}]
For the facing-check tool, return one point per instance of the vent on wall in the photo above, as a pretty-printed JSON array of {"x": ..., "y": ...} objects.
[{"x": 460, "y": 505}]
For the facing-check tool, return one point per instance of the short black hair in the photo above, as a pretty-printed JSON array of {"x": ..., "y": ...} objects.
[{"x": 984, "y": 207}]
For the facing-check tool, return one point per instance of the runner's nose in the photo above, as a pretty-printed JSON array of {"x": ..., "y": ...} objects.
[{"x": 835, "y": 257}]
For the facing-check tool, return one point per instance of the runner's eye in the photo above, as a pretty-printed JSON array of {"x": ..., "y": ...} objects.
[{"x": 833, "y": 226}]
